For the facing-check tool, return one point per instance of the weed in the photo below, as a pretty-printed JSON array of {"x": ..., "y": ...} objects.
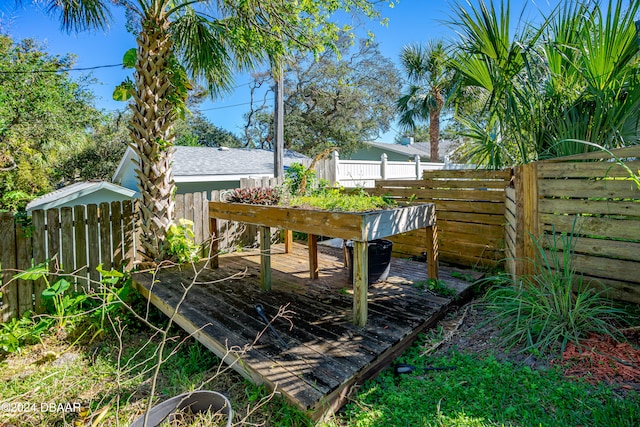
[
  {"x": 20, "y": 332},
  {"x": 463, "y": 276},
  {"x": 436, "y": 286}
]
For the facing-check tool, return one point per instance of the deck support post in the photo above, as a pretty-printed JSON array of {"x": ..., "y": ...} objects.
[
  {"x": 360, "y": 282},
  {"x": 313, "y": 255},
  {"x": 265, "y": 257},
  {"x": 432, "y": 251},
  {"x": 215, "y": 242}
]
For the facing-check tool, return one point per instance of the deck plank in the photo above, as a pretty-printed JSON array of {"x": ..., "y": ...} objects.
[{"x": 326, "y": 354}]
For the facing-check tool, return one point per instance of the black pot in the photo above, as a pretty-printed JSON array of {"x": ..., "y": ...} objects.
[{"x": 379, "y": 259}]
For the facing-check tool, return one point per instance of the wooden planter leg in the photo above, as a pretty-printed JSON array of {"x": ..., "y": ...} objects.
[
  {"x": 288, "y": 241},
  {"x": 215, "y": 242},
  {"x": 360, "y": 282},
  {"x": 313, "y": 256},
  {"x": 265, "y": 257}
]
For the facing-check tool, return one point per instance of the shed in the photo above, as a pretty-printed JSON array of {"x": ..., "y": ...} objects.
[{"x": 82, "y": 193}]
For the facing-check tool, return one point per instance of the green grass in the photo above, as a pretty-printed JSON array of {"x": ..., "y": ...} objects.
[
  {"x": 483, "y": 392},
  {"x": 101, "y": 376}
]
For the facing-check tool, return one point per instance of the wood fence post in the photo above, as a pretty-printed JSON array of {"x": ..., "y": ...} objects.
[
  {"x": 39, "y": 255},
  {"x": 105, "y": 236},
  {"x": 334, "y": 168},
  {"x": 24, "y": 256},
  {"x": 383, "y": 166},
  {"x": 527, "y": 221},
  {"x": 8, "y": 261},
  {"x": 80, "y": 236}
]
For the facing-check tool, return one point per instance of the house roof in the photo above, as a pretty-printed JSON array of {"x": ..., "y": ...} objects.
[
  {"x": 75, "y": 191},
  {"x": 419, "y": 148},
  {"x": 217, "y": 163},
  {"x": 422, "y": 149}
]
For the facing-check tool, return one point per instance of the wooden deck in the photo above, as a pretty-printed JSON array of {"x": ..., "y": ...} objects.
[{"x": 325, "y": 354}]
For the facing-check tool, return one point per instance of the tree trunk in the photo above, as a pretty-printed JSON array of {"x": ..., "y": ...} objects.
[
  {"x": 434, "y": 127},
  {"x": 434, "y": 134},
  {"x": 152, "y": 134}
]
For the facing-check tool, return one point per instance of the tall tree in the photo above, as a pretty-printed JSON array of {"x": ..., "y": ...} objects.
[
  {"x": 198, "y": 131},
  {"x": 333, "y": 101},
  {"x": 99, "y": 158},
  {"x": 201, "y": 40},
  {"x": 44, "y": 117},
  {"x": 430, "y": 80}
]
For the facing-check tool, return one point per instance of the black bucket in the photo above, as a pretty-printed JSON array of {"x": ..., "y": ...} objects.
[{"x": 379, "y": 259}]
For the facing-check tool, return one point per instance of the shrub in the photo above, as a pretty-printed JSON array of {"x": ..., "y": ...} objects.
[
  {"x": 180, "y": 242},
  {"x": 255, "y": 196},
  {"x": 553, "y": 306}
]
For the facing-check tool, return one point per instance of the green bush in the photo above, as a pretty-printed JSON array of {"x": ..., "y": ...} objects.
[
  {"x": 553, "y": 306},
  {"x": 180, "y": 243}
]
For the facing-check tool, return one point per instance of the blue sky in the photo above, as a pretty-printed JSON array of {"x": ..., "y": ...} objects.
[{"x": 409, "y": 21}]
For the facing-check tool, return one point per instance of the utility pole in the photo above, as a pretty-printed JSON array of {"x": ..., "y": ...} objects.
[{"x": 278, "y": 126}]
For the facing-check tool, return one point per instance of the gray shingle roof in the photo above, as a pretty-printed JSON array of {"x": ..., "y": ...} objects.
[
  {"x": 191, "y": 161},
  {"x": 74, "y": 191}
]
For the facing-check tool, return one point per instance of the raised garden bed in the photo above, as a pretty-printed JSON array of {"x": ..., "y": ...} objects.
[{"x": 360, "y": 227}]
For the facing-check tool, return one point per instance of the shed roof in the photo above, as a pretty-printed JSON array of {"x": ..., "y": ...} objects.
[{"x": 75, "y": 191}]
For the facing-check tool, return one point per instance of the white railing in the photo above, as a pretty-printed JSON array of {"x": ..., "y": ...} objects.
[{"x": 364, "y": 173}]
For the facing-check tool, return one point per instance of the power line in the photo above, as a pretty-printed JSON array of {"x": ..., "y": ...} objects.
[
  {"x": 231, "y": 106},
  {"x": 62, "y": 70}
]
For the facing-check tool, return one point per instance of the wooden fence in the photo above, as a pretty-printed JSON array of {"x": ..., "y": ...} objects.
[
  {"x": 470, "y": 210},
  {"x": 591, "y": 197},
  {"x": 75, "y": 241}
]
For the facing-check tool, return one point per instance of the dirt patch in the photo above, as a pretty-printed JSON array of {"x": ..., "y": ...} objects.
[{"x": 597, "y": 359}]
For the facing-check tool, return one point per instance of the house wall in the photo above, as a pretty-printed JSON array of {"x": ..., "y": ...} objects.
[{"x": 198, "y": 187}]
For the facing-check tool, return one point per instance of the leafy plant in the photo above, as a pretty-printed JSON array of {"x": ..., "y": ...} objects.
[
  {"x": 553, "y": 306},
  {"x": 436, "y": 286},
  {"x": 180, "y": 242},
  {"x": 335, "y": 199},
  {"x": 58, "y": 302},
  {"x": 255, "y": 196},
  {"x": 20, "y": 331},
  {"x": 296, "y": 175}
]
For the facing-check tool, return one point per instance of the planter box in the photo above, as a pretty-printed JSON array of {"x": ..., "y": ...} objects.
[{"x": 358, "y": 226}]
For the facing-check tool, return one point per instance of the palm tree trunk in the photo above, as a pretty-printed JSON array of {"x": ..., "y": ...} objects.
[
  {"x": 152, "y": 133},
  {"x": 434, "y": 134}
]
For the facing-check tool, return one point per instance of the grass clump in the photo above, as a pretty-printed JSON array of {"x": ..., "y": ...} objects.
[{"x": 552, "y": 307}]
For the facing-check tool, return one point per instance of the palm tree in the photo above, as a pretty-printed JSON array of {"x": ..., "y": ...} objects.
[
  {"x": 546, "y": 89},
  {"x": 200, "y": 40},
  {"x": 430, "y": 79}
]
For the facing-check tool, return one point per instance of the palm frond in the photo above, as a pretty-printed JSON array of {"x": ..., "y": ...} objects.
[{"x": 81, "y": 15}]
